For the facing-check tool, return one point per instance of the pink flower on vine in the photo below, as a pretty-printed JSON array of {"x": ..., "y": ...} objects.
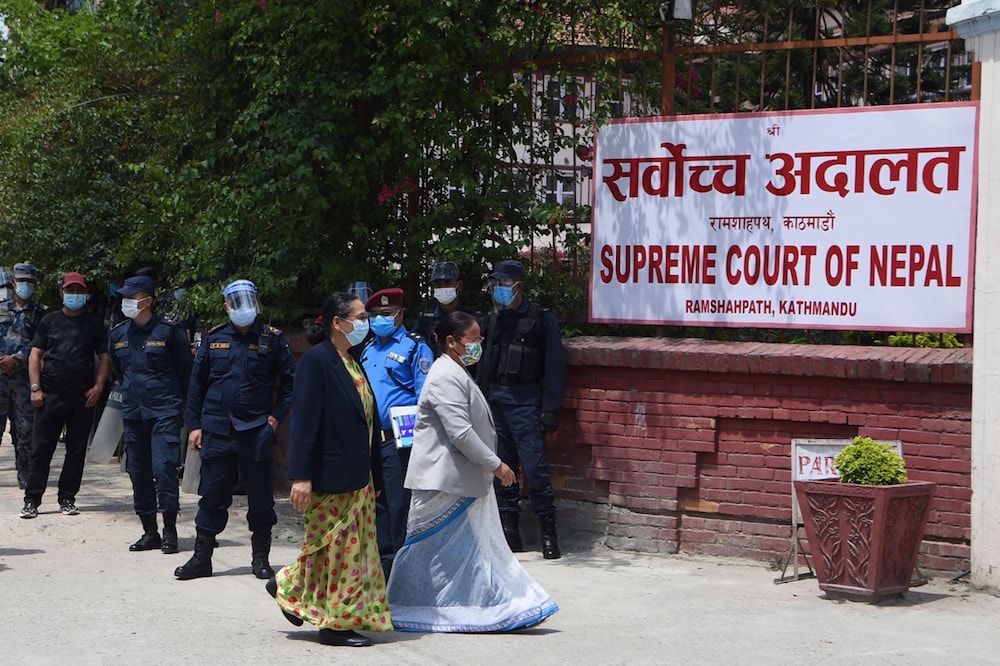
[
  {"x": 218, "y": 17},
  {"x": 385, "y": 194},
  {"x": 262, "y": 4},
  {"x": 586, "y": 153}
]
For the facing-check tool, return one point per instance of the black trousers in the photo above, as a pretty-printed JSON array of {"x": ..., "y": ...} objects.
[
  {"x": 59, "y": 410},
  {"x": 251, "y": 453}
]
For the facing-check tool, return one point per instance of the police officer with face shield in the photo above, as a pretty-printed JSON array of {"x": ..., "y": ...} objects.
[
  {"x": 446, "y": 287},
  {"x": 233, "y": 414},
  {"x": 523, "y": 374}
]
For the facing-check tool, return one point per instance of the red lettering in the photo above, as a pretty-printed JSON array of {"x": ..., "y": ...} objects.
[
  {"x": 606, "y": 268},
  {"x": 655, "y": 261},
  {"x": 639, "y": 262}
]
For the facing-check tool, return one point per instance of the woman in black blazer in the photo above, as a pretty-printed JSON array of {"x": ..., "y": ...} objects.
[{"x": 334, "y": 466}]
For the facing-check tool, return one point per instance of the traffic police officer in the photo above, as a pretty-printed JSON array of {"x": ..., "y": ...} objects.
[
  {"x": 523, "y": 374},
  {"x": 446, "y": 286},
  {"x": 396, "y": 363},
  {"x": 233, "y": 413},
  {"x": 21, "y": 315},
  {"x": 151, "y": 358}
]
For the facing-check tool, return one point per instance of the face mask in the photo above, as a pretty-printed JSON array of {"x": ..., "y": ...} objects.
[
  {"x": 6, "y": 293},
  {"x": 243, "y": 317},
  {"x": 358, "y": 335},
  {"x": 24, "y": 289},
  {"x": 445, "y": 295},
  {"x": 130, "y": 307},
  {"x": 504, "y": 296},
  {"x": 383, "y": 326},
  {"x": 74, "y": 301},
  {"x": 473, "y": 351}
]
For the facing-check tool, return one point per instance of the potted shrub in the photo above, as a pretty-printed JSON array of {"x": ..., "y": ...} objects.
[{"x": 865, "y": 528}]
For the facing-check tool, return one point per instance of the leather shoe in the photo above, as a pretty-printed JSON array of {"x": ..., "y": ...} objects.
[
  {"x": 146, "y": 542},
  {"x": 272, "y": 589},
  {"x": 343, "y": 638}
]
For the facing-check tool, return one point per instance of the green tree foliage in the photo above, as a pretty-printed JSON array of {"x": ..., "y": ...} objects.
[{"x": 303, "y": 145}]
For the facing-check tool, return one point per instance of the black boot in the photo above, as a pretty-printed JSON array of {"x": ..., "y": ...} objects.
[
  {"x": 150, "y": 539},
  {"x": 260, "y": 543},
  {"x": 550, "y": 541},
  {"x": 200, "y": 564},
  {"x": 512, "y": 531},
  {"x": 170, "y": 545}
]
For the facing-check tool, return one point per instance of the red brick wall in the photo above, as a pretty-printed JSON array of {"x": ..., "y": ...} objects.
[{"x": 685, "y": 445}]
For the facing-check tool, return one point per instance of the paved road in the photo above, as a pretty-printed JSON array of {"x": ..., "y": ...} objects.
[{"x": 73, "y": 593}]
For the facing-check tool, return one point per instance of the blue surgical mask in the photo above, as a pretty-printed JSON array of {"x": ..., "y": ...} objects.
[
  {"x": 473, "y": 352},
  {"x": 24, "y": 289},
  {"x": 360, "y": 332},
  {"x": 383, "y": 326},
  {"x": 74, "y": 301},
  {"x": 504, "y": 296},
  {"x": 243, "y": 317}
]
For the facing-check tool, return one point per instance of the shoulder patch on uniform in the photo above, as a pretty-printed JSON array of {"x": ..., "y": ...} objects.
[
  {"x": 121, "y": 345},
  {"x": 425, "y": 364},
  {"x": 218, "y": 345},
  {"x": 216, "y": 328},
  {"x": 121, "y": 323}
]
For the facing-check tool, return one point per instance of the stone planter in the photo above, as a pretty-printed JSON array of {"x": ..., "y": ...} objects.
[{"x": 864, "y": 540}]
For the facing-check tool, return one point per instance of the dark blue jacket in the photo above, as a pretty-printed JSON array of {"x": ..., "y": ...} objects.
[
  {"x": 153, "y": 362},
  {"x": 330, "y": 442},
  {"x": 232, "y": 383}
]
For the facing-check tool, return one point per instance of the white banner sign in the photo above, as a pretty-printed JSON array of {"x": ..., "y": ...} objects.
[{"x": 849, "y": 219}]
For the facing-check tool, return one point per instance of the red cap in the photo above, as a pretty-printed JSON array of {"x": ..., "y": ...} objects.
[
  {"x": 385, "y": 298},
  {"x": 74, "y": 278}
]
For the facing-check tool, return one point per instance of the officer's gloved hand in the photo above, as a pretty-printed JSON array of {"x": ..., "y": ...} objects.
[{"x": 550, "y": 421}]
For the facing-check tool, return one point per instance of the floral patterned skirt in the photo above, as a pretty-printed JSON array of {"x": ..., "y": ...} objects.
[{"x": 337, "y": 581}]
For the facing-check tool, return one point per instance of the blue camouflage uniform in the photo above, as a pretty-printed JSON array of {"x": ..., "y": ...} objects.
[
  {"x": 153, "y": 363},
  {"x": 396, "y": 367},
  {"x": 231, "y": 395},
  {"x": 17, "y": 328}
]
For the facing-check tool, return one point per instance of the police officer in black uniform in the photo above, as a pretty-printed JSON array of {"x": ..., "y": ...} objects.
[
  {"x": 523, "y": 374},
  {"x": 151, "y": 358},
  {"x": 446, "y": 287},
  {"x": 233, "y": 413}
]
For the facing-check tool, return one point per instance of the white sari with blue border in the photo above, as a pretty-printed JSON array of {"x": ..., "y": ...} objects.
[{"x": 455, "y": 573}]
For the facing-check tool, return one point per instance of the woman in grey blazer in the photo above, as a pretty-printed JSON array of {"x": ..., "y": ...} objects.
[{"x": 455, "y": 572}]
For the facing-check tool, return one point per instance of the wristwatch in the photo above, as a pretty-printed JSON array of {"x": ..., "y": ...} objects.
[{"x": 34, "y": 387}]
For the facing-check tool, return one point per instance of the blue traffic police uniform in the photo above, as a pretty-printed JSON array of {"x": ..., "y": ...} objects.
[
  {"x": 153, "y": 363},
  {"x": 231, "y": 395},
  {"x": 17, "y": 328},
  {"x": 396, "y": 367},
  {"x": 527, "y": 378}
]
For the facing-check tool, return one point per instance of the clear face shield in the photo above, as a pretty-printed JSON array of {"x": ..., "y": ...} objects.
[
  {"x": 241, "y": 296},
  {"x": 503, "y": 291},
  {"x": 361, "y": 289}
]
